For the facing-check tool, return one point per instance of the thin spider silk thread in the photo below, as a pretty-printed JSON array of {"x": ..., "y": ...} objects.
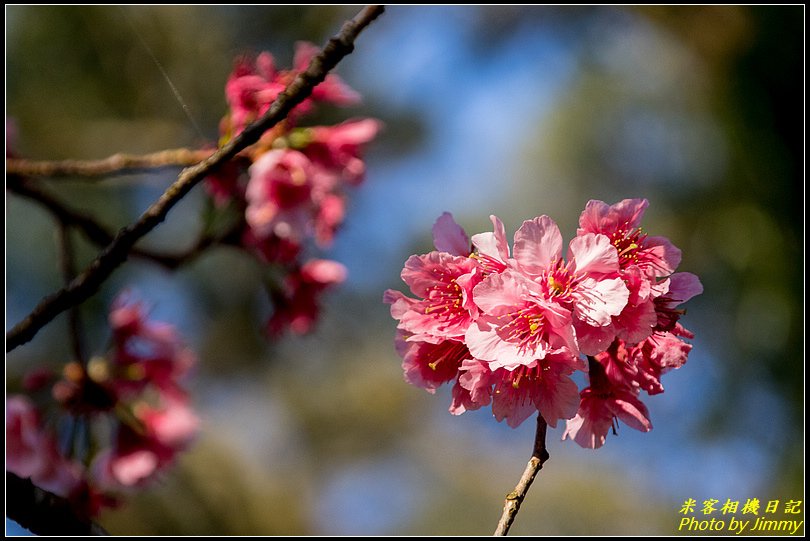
[{"x": 163, "y": 72}]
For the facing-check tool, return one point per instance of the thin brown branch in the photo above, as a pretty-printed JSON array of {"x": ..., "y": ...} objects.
[
  {"x": 117, "y": 164},
  {"x": 68, "y": 268},
  {"x": 100, "y": 235},
  {"x": 44, "y": 513},
  {"x": 88, "y": 282},
  {"x": 515, "y": 498},
  {"x": 93, "y": 230}
]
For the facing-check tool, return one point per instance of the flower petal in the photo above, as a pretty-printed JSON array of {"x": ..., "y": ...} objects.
[
  {"x": 597, "y": 300},
  {"x": 450, "y": 237},
  {"x": 593, "y": 254},
  {"x": 493, "y": 244},
  {"x": 538, "y": 243}
]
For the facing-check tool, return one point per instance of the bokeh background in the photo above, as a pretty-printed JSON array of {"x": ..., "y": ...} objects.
[{"x": 514, "y": 111}]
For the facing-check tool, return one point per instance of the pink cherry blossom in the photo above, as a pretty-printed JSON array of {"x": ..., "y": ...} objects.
[
  {"x": 661, "y": 352},
  {"x": 227, "y": 183},
  {"x": 339, "y": 147},
  {"x": 292, "y": 198},
  {"x": 598, "y": 412},
  {"x": 450, "y": 237},
  {"x": 473, "y": 389},
  {"x": 430, "y": 364},
  {"x": 174, "y": 424},
  {"x": 641, "y": 366},
  {"x": 620, "y": 365},
  {"x": 115, "y": 471},
  {"x": 655, "y": 256},
  {"x": 251, "y": 89},
  {"x": 26, "y": 444},
  {"x": 272, "y": 248},
  {"x": 518, "y": 325},
  {"x": 538, "y": 245},
  {"x": 254, "y": 85},
  {"x": 146, "y": 353},
  {"x": 296, "y": 305},
  {"x": 638, "y": 318},
  {"x": 675, "y": 290},
  {"x": 545, "y": 387},
  {"x": 139, "y": 454},
  {"x": 589, "y": 284},
  {"x": 32, "y": 453},
  {"x": 329, "y": 216},
  {"x": 542, "y": 385},
  {"x": 332, "y": 89},
  {"x": 444, "y": 284},
  {"x": 601, "y": 404},
  {"x": 462, "y": 401},
  {"x": 492, "y": 250},
  {"x": 279, "y": 194},
  {"x": 509, "y": 328}
]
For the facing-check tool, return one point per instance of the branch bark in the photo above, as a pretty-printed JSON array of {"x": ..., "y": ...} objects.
[
  {"x": 44, "y": 513},
  {"x": 88, "y": 282},
  {"x": 100, "y": 235},
  {"x": 117, "y": 164},
  {"x": 515, "y": 498},
  {"x": 68, "y": 268}
]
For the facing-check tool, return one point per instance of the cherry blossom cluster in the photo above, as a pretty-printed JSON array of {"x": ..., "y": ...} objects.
[
  {"x": 290, "y": 187},
  {"x": 99, "y": 429},
  {"x": 510, "y": 327}
]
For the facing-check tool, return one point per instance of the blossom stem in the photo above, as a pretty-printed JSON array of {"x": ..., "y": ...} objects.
[
  {"x": 117, "y": 164},
  {"x": 117, "y": 251},
  {"x": 515, "y": 498}
]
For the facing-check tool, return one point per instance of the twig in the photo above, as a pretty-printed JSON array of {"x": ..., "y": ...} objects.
[
  {"x": 117, "y": 251},
  {"x": 98, "y": 234},
  {"x": 68, "y": 267},
  {"x": 117, "y": 164},
  {"x": 44, "y": 513},
  {"x": 90, "y": 227},
  {"x": 515, "y": 498}
]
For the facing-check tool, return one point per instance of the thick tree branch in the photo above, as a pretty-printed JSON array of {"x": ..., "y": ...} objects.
[
  {"x": 88, "y": 282},
  {"x": 513, "y": 500},
  {"x": 44, "y": 513},
  {"x": 118, "y": 164}
]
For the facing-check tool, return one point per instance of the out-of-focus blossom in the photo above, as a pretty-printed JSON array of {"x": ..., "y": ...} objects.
[
  {"x": 129, "y": 403},
  {"x": 280, "y": 195},
  {"x": 296, "y": 305},
  {"x": 290, "y": 188},
  {"x": 26, "y": 444},
  {"x": 340, "y": 148},
  {"x": 255, "y": 84}
]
